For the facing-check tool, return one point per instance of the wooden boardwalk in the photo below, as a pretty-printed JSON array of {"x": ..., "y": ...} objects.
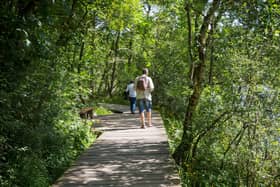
[{"x": 124, "y": 155}]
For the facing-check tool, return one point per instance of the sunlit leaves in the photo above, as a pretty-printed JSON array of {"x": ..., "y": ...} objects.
[
  {"x": 121, "y": 15},
  {"x": 42, "y": 82}
]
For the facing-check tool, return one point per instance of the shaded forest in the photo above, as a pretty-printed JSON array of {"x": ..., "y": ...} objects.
[{"x": 214, "y": 63}]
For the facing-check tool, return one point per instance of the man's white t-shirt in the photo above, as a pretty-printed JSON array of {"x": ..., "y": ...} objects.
[{"x": 131, "y": 90}]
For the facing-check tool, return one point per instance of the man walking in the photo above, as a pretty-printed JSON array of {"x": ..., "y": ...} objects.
[
  {"x": 144, "y": 86},
  {"x": 132, "y": 96}
]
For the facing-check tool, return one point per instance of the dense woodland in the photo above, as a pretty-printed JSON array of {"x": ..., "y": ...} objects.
[{"x": 215, "y": 66}]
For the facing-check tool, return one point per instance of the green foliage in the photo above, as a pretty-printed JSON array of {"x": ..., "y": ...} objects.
[
  {"x": 174, "y": 129},
  {"x": 236, "y": 116},
  {"x": 31, "y": 171},
  {"x": 38, "y": 133},
  {"x": 60, "y": 56},
  {"x": 102, "y": 111}
]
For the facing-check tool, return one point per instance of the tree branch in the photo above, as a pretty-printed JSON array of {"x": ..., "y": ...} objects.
[
  {"x": 237, "y": 137},
  {"x": 207, "y": 130}
]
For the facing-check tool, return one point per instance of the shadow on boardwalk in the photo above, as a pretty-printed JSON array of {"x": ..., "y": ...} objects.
[{"x": 124, "y": 155}]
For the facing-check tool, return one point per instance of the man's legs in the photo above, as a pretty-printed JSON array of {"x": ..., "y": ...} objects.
[
  {"x": 133, "y": 103},
  {"x": 149, "y": 112},
  {"x": 149, "y": 118},
  {"x": 130, "y": 103},
  {"x": 145, "y": 104}
]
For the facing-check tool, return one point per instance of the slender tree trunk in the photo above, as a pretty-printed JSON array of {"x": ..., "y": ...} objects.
[
  {"x": 92, "y": 82},
  {"x": 73, "y": 59},
  {"x": 104, "y": 78},
  {"x": 79, "y": 71},
  {"x": 235, "y": 141},
  {"x": 65, "y": 26},
  {"x": 103, "y": 81},
  {"x": 210, "y": 78},
  {"x": 130, "y": 49},
  {"x": 183, "y": 151},
  {"x": 116, "y": 49},
  {"x": 190, "y": 55}
]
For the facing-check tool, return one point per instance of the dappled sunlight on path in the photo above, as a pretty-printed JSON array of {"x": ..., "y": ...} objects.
[{"x": 124, "y": 155}]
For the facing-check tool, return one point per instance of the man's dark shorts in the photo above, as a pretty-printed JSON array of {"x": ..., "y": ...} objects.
[{"x": 144, "y": 104}]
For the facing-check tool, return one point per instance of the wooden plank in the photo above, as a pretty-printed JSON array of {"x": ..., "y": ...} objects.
[{"x": 124, "y": 155}]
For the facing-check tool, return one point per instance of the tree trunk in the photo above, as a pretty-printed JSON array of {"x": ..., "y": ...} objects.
[
  {"x": 210, "y": 78},
  {"x": 104, "y": 78},
  {"x": 116, "y": 49},
  {"x": 79, "y": 71},
  {"x": 183, "y": 151},
  {"x": 190, "y": 55},
  {"x": 130, "y": 50},
  {"x": 92, "y": 83}
]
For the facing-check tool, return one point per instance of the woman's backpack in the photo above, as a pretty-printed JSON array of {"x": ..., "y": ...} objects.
[{"x": 142, "y": 83}]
